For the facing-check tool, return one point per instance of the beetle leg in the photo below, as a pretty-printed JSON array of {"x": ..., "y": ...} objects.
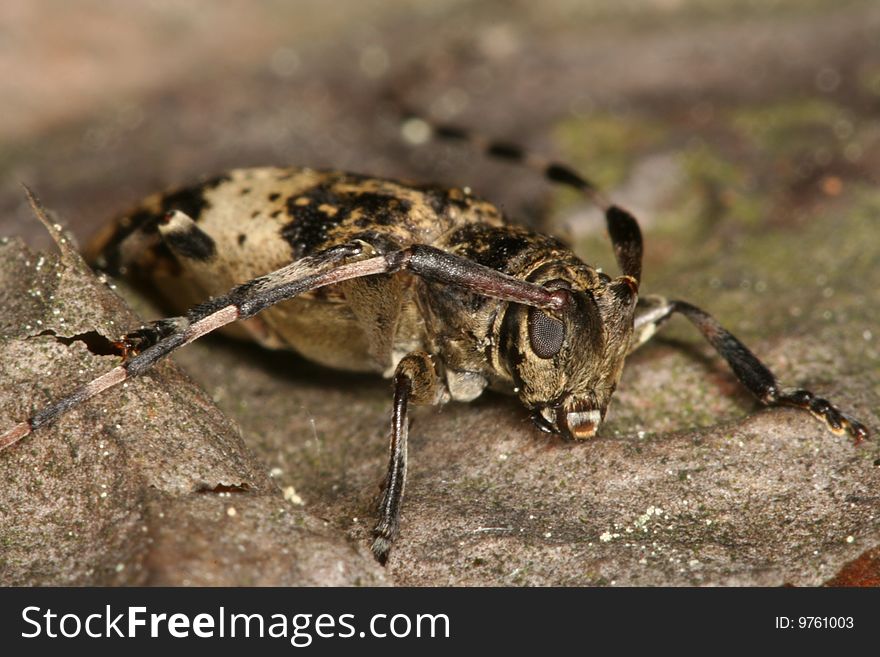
[
  {"x": 750, "y": 371},
  {"x": 651, "y": 313},
  {"x": 415, "y": 381}
]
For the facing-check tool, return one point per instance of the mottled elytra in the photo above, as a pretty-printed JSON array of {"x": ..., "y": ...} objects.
[{"x": 428, "y": 286}]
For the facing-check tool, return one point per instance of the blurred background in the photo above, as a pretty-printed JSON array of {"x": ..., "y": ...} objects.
[
  {"x": 700, "y": 107},
  {"x": 743, "y": 133}
]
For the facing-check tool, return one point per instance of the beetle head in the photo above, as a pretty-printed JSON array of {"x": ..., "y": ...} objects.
[{"x": 566, "y": 363}]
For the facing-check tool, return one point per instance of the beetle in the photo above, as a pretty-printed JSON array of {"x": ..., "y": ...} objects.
[{"x": 429, "y": 286}]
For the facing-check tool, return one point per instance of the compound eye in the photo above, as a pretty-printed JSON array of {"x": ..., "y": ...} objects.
[{"x": 546, "y": 334}]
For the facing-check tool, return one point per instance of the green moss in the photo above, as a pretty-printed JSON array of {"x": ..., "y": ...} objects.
[
  {"x": 762, "y": 277},
  {"x": 795, "y": 128},
  {"x": 869, "y": 79},
  {"x": 829, "y": 255},
  {"x": 604, "y": 146},
  {"x": 715, "y": 190},
  {"x": 639, "y": 16}
]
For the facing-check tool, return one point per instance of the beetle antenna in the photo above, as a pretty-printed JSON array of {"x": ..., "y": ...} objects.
[{"x": 626, "y": 237}]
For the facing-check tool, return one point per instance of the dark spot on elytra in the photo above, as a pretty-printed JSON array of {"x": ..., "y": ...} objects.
[
  {"x": 309, "y": 226},
  {"x": 242, "y": 238},
  {"x": 274, "y": 196},
  {"x": 490, "y": 246},
  {"x": 441, "y": 199},
  {"x": 381, "y": 209},
  {"x": 245, "y": 191},
  {"x": 141, "y": 220},
  {"x": 275, "y": 214},
  {"x": 311, "y": 222},
  {"x": 255, "y": 214},
  {"x": 192, "y": 243},
  {"x": 191, "y": 200}
]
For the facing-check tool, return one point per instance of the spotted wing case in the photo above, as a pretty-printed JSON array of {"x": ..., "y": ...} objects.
[{"x": 248, "y": 222}]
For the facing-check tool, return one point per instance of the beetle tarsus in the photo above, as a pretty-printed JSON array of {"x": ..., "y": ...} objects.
[
  {"x": 135, "y": 342},
  {"x": 836, "y": 420},
  {"x": 751, "y": 372}
]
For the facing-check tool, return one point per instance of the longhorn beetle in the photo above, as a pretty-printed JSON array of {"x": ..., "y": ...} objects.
[{"x": 427, "y": 285}]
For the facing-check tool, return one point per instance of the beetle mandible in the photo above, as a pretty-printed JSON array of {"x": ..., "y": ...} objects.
[{"x": 427, "y": 285}]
